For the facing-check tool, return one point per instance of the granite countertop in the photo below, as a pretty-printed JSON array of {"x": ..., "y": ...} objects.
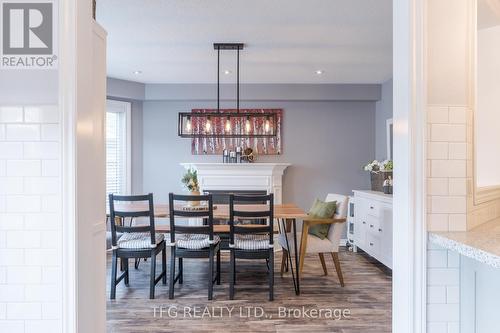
[{"x": 481, "y": 243}]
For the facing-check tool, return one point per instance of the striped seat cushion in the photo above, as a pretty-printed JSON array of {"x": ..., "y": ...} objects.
[
  {"x": 138, "y": 240},
  {"x": 251, "y": 242},
  {"x": 195, "y": 241}
]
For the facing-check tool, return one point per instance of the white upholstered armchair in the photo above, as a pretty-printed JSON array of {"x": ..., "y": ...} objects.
[{"x": 310, "y": 244}]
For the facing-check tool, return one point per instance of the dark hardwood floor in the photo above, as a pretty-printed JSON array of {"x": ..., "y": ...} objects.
[{"x": 366, "y": 296}]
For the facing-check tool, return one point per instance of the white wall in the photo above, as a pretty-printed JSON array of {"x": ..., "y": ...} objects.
[
  {"x": 447, "y": 51},
  {"x": 487, "y": 116}
]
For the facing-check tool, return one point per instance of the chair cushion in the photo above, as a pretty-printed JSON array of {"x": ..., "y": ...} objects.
[
  {"x": 314, "y": 244},
  {"x": 194, "y": 241},
  {"x": 251, "y": 242},
  {"x": 138, "y": 240},
  {"x": 321, "y": 210}
]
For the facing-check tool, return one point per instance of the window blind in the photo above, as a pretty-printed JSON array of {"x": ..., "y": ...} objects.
[{"x": 116, "y": 150}]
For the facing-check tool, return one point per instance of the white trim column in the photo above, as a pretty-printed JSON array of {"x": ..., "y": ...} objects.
[
  {"x": 83, "y": 101},
  {"x": 409, "y": 273}
]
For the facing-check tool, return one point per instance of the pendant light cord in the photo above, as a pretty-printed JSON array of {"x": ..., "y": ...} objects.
[
  {"x": 218, "y": 79},
  {"x": 238, "y": 80}
]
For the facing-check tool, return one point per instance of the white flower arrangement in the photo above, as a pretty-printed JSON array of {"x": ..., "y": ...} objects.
[{"x": 376, "y": 166}]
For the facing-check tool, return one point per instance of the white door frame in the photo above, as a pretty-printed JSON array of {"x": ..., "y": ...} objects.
[
  {"x": 409, "y": 281},
  {"x": 409, "y": 227},
  {"x": 84, "y": 303},
  {"x": 67, "y": 97}
]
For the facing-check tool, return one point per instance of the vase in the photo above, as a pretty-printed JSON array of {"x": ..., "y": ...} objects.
[
  {"x": 194, "y": 203},
  {"x": 377, "y": 179}
]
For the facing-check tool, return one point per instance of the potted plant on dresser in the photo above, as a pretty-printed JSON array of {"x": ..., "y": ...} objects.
[
  {"x": 190, "y": 182},
  {"x": 379, "y": 173}
]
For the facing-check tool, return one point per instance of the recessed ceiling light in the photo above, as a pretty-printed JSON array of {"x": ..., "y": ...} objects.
[
  {"x": 227, "y": 72},
  {"x": 319, "y": 72},
  {"x": 137, "y": 72}
]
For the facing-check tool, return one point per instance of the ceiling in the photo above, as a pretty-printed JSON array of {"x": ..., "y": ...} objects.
[{"x": 286, "y": 41}]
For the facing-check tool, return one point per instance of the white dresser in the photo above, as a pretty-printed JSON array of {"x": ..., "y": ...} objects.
[{"x": 373, "y": 225}]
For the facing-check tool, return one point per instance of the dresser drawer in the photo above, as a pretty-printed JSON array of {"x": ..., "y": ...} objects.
[
  {"x": 360, "y": 232},
  {"x": 372, "y": 224},
  {"x": 372, "y": 245},
  {"x": 373, "y": 207},
  {"x": 368, "y": 206}
]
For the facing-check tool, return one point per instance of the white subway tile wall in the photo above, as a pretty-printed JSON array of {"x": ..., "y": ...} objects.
[
  {"x": 30, "y": 219},
  {"x": 447, "y": 211}
]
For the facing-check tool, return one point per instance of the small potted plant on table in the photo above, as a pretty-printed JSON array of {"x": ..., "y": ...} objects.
[
  {"x": 379, "y": 172},
  {"x": 190, "y": 182}
]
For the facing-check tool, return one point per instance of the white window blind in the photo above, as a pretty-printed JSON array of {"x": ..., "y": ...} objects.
[{"x": 116, "y": 149}]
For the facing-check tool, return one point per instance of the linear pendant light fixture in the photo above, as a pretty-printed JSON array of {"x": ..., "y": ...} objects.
[{"x": 224, "y": 123}]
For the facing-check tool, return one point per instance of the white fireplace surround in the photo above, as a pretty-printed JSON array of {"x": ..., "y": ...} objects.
[{"x": 241, "y": 176}]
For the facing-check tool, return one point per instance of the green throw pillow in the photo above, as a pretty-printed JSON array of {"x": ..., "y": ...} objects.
[{"x": 322, "y": 210}]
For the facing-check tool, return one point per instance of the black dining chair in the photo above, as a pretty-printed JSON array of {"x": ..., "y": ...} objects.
[
  {"x": 136, "y": 242},
  {"x": 251, "y": 242},
  {"x": 193, "y": 241}
]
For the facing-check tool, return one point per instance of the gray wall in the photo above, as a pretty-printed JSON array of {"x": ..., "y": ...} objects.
[
  {"x": 383, "y": 112},
  {"x": 137, "y": 149},
  {"x": 329, "y": 132},
  {"x": 326, "y": 143}
]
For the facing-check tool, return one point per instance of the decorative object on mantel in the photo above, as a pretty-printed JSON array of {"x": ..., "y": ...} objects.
[
  {"x": 388, "y": 185},
  {"x": 228, "y": 124},
  {"x": 248, "y": 155},
  {"x": 379, "y": 172},
  {"x": 190, "y": 181},
  {"x": 217, "y": 144}
]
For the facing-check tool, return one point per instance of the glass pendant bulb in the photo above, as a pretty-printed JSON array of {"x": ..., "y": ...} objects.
[
  {"x": 228, "y": 124},
  {"x": 267, "y": 125},
  {"x": 247, "y": 124},
  {"x": 188, "y": 124},
  {"x": 208, "y": 124}
]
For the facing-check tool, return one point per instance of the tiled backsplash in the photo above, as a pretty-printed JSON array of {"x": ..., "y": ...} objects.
[
  {"x": 30, "y": 219},
  {"x": 450, "y": 207},
  {"x": 447, "y": 168},
  {"x": 446, "y": 211}
]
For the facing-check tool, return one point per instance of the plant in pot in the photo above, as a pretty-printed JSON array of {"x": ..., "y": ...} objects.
[
  {"x": 379, "y": 172},
  {"x": 190, "y": 182}
]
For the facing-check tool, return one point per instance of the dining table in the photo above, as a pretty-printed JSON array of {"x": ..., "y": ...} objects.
[{"x": 286, "y": 215}]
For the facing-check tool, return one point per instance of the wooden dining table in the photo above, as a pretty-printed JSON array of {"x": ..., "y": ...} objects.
[{"x": 286, "y": 215}]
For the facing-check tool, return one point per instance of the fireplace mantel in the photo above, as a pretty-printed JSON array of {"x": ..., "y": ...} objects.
[{"x": 241, "y": 176}]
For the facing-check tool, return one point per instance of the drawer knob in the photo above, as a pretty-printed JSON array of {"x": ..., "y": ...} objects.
[
  {"x": 371, "y": 244},
  {"x": 371, "y": 207},
  {"x": 371, "y": 225},
  {"x": 379, "y": 229},
  {"x": 364, "y": 222}
]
